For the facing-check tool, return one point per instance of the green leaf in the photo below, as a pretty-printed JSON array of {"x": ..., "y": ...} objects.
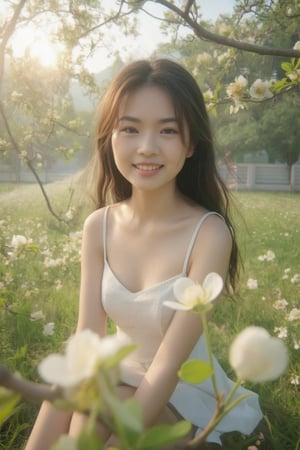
[
  {"x": 127, "y": 414},
  {"x": 195, "y": 371},
  {"x": 160, "y": 436},
  {"x": 65, "y": 442},
  {"x": 8, "y": 401},
  {"x": 287, "y": 67},
  {"x": 89, "y": 439}
]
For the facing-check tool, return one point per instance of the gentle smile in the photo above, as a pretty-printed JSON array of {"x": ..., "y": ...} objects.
[{"x": 147, "y": 167}]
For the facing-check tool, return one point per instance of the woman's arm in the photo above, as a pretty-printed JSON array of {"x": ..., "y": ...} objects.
[
  {"x": 51, "y": 422},
  {"x": 91, "y": 314},
  {"x": 211, "y": 253}
]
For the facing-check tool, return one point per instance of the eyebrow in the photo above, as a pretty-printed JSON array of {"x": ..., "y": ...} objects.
[{"x": 136, "y": 120}]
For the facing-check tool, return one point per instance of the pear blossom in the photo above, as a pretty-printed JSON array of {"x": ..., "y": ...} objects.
[
  {"x": 260, "y": 89},
  {"x": 252, "y": 284},
  {"x": 236, "y": 88},
  {"x": 48, "y": 329},
  {"x": 297, "y": 46},
  {"x": 294, "y": 76},
  {"x": 191, "y": 295},
  {"x": 256, "y": 356},
  {"x": 84, "y": 352}
]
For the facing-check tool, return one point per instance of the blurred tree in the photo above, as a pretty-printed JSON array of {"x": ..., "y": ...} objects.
[{"x": 36, "y": 112}]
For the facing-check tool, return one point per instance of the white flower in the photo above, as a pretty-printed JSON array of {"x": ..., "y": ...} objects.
[
  {"x": 297, "y": 46},
  {"x": 295, "y": 278},
  {"x": 294, "y": 76},
  {"x": 280, "y": 304},
  {"x": 38, "y": 315},
  {"x": 252, "y": 284},
  {"x": 236, "y": 88},
  {"x": 294, "y": 314},
  {"x": 18, "y": 241},
  {"x": 282, "y": 332},
  {"x": 269, "y": 256},
  {"x": 296, "y": 344},
  {"x": 190, "y": 294},
  {"x": 295, "y": 380},
  {"x": 48, "y": 329},
  {"x": 256, "y": 356},
  {"x": 84, "y": 351},
  {"x": 260, "y": 89}
]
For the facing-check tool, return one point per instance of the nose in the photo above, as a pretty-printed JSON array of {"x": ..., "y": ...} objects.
[{"x": 148, "y": 144}]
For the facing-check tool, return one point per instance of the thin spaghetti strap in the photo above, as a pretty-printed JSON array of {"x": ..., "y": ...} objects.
[
  {"x": 104, "y": 232},
  {"x": 192, "y": 242}
]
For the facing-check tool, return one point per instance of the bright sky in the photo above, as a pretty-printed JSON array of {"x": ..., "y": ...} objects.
[{"x": 138, "y": 47}]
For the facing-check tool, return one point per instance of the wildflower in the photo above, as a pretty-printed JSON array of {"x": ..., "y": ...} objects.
[
  {"x": 282, "y": 332},
  {"x": 58, "y": 285},
  {"x": 295, "y": 278},
  {"x": 252, "y": 284},
  {"x": 269, "y": 256},
  {"x": 236, "y": 88},
  {"x": 191, "y": 295},
  {"x": 18, "y": 241},
  {"x": 296, "y": 344},
  {"x": 295, "y": 380},
  {"x": 38, "y": 315},
  {"x": 260, "y": 89},
  {"x": 294, "y": 314},
  {"x": 84, "y": 352},
  {"x": 48, "y": 329},
  {"x": 280, "y": 304},
  {"x": 256, "y": 356}
]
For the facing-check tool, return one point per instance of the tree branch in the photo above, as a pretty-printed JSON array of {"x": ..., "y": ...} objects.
[
  {"x": 28, "y": 389},
  {"x": 8, "y": 31},
  {"x": 29, "y": 164},
  {"x": 202, "y": 33}
]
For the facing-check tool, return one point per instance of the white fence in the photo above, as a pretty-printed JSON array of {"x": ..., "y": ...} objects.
[
  {"x": 261, "y": 177},
  {"x": 252, "y": 177}
]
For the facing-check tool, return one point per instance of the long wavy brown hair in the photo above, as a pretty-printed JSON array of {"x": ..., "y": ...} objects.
[{"x": 199, "y": 178}]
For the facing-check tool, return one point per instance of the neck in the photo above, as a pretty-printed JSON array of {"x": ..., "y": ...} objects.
[{"x": 154, "y": 205}]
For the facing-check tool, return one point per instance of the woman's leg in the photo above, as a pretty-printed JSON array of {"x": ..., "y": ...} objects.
[{"x": 49, "y": 425}]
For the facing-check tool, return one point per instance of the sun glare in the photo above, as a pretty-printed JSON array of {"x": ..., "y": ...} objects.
[{"x": 37, "y": 45}]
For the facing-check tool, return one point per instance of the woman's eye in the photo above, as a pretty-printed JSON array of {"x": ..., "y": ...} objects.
[
  {"x": 129, "y": 130},
  {"x": 169, "y": 131}
]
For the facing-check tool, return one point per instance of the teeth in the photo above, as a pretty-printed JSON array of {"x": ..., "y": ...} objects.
[{"x": 147, "y": 167}]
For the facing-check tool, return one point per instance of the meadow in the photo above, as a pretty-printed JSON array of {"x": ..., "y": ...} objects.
[{"x": 39, "y": 287}]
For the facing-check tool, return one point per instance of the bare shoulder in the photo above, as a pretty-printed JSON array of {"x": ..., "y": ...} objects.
[
  {"x": 215, "y": 228},
  {"x": 93, "y": 227},
  {"x": 212, "y": 249}
]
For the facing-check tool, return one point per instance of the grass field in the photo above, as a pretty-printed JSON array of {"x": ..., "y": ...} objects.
[{"x": 39, "y": 286}]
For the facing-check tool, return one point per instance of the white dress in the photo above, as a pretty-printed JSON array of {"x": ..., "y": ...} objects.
[{"x": 143, "y": 319}]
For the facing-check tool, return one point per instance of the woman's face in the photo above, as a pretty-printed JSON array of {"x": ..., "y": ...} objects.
[{"x": 148, "y": 147}]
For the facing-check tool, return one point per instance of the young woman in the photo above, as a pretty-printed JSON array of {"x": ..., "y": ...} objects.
[{"x": 168, "y": 217}]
